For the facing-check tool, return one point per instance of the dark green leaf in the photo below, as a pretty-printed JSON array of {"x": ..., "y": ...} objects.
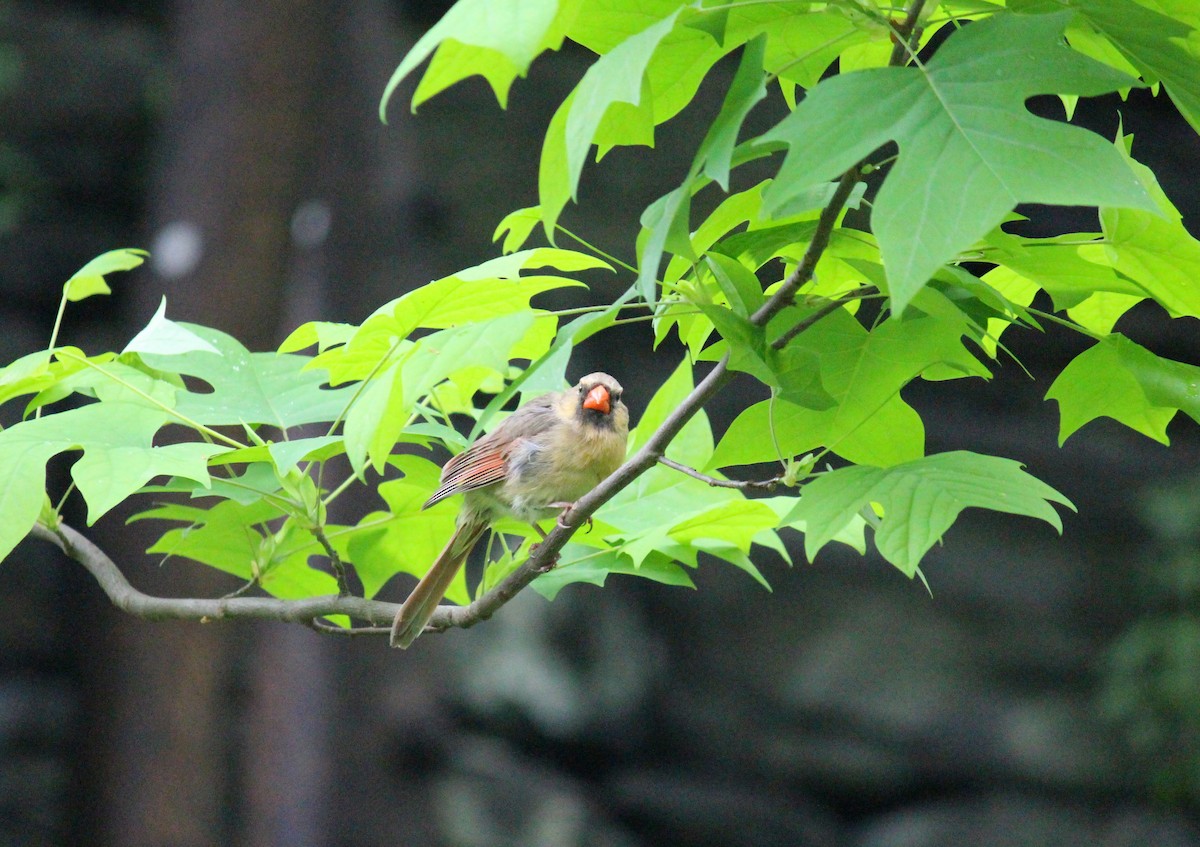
[{"x": 920, "y": 500}]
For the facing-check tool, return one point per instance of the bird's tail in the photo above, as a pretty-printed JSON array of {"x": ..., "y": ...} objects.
[{"x": 424, "y": 599}]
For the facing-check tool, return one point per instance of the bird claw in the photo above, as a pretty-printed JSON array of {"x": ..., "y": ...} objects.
[{"x": 566, "y": 510}]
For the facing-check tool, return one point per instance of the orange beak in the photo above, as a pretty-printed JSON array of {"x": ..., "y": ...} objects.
[{"x": 597, "y": 400}]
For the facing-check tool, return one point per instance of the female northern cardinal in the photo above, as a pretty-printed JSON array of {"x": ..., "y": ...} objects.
[{"x": 541, "y": 459}]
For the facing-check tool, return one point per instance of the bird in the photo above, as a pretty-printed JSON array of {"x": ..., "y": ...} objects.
[{"x": 534, "y": 465}]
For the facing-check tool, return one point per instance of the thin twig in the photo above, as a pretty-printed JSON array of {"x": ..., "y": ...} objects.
[
  {"x": 335, "y": 562},
  {"x": 241, "y": 589},
  {"x": 743, "y": 484},
  {"x": 320, "y": 626},
  {"x": 827, "y": 309}
]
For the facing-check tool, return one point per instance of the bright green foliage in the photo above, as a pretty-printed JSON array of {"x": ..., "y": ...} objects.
[
  {"x": 498, "y": 39},
  {"x": 242, "y": 453},
  {"x": 89, "y": 279},
  {"x": 969, "y": 151},
  {"x": 863, "y": 373},
  {"x": 1125, "y": 381},
  {"x": 919, "y": 500}
]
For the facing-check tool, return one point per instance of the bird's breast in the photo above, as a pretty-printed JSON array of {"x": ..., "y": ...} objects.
[{"x": 560, "y": 468}]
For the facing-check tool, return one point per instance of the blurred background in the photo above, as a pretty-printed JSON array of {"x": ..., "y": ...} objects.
[{"x": 1047, "y": 694}]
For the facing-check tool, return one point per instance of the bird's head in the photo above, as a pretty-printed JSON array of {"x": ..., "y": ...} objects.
[{"x": 598, "y": 401}]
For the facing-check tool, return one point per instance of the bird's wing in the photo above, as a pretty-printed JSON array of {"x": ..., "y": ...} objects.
[{"x": 485, "y": 462}]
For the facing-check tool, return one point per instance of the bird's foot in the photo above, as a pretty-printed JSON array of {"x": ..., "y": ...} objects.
[{"x": 566, "y": 510}]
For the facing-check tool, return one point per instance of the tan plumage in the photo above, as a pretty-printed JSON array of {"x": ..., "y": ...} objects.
[{"x": 551, "y": 451}]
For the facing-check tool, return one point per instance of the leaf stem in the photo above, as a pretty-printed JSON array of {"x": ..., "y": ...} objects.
[
  {"x": 601, "y": 253},
  {"x": 1063, "y": 322}
]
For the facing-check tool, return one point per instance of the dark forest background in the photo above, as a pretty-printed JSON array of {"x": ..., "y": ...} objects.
[{"x": 1047, "y": 694}]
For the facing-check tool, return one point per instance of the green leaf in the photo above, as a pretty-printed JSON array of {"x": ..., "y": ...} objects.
[
  {"x": 497, "y": 39},
  {"x": 22, "y": 490},
  {"x": 864, "y": 373},
  {"x": 1154, "y": 250},
  {"x": 89, "y": 279},
  {"x": 225, "y": 536},
  {"x": 748, "y": 88},
  {"x": 29, "y": 374},
  {"x": 250, "y": 388},
  {"x": 166, "y": 337},
  {"x": 516, "y": 227},
  {"x": 801, "y": 43},
  {"x": 324, "y": 334},
  {"x": 376, "y": 420},
  {"x": 1160, "y": 47},
  {"x": 743, "y": 292},
  {"x": 233, "y": 537},
  {"x": 602, "y": 26},
  {"x": 1063, "y": 270},
  {"x": 119, "y": 455},
  {"x": 584, "y": 564},
  {"x": 694, "y": 444},
  {"x": 495, "y": 287},
  {"x": 969, "y": 150},
  {"x": 615, "y": 78},
  {"x": 286, "y": 455},
  {"x": 405, "y": 538},
  {"x": 665, "y": 224},
  {"x": 920, "y": 500},
  {"x": 1124, "y": 381}
]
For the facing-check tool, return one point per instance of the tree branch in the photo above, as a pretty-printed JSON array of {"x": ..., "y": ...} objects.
[
  {"x": 484, "y": 606},
  {"x": 128, "y": 599},
  {"x": 378, "y": 614}
]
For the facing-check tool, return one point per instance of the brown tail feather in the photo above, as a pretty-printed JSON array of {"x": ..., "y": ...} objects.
[{"x": 424, "y": 599}]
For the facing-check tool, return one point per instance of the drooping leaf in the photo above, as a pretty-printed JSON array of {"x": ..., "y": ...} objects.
[
  {"x": 1119, "y": 379},
  {"x": 497, "y": 39},
  {"x": 584, "y": 564},
  {"x": 969, "y": 150},
  {"x": 920, "y": 500},
  {"x": 89, "y": 279},
  {"x": 615, "y": 78},
  {"x": 748, "y": 88},
  {"x": 1154, "y": 250},
  {"x": 516, "y": 227},
  {"x": 119, "y": 456},
  {"x": 1162, "y": 48}
]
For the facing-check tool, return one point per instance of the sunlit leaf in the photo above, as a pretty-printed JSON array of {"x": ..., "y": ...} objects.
[
  {"x": 89, "y": 279},
  {"x": 969, "y": 150}
]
